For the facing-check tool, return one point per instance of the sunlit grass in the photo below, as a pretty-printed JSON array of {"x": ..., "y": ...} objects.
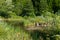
[{"x": 8, "y": 32}]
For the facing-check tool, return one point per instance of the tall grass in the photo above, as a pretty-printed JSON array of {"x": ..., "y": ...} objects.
[{"x": 10, "y": 32}]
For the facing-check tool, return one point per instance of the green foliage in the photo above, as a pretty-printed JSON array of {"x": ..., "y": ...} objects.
[
  {"x": 19, "y": 14},
  {"x": 10, "y": 32},
  {"x": 43, "y": 5}
]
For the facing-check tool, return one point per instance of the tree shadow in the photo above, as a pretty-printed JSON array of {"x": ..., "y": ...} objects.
[{"x": 35, "y": 35}]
